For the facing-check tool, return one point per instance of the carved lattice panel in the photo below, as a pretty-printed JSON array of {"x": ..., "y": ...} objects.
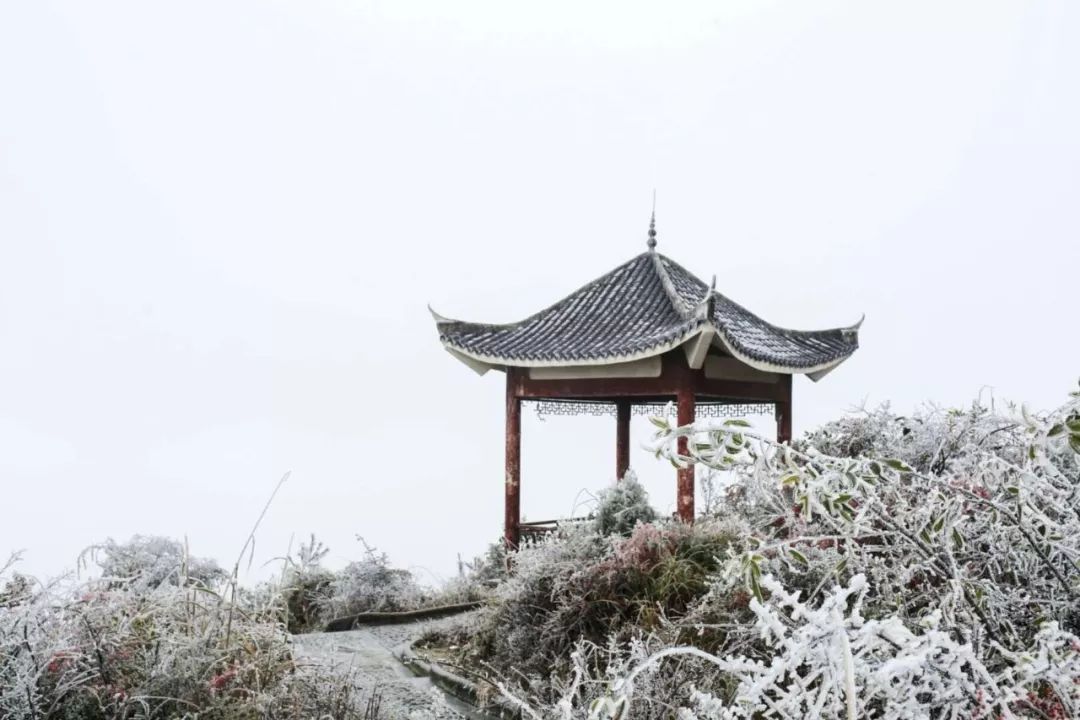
[{"x": 544, "y": 408}]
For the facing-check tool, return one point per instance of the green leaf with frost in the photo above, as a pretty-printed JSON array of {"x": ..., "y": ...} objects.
[{"x": 755, "y": 588}]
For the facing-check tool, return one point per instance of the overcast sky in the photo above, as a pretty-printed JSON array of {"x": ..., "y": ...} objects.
[{"x": 221, "y": 223}]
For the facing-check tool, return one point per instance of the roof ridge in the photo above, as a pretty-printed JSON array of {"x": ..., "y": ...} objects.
[
  {"x": 685, "y": 311},
  {"x": 706, "y": 307}
]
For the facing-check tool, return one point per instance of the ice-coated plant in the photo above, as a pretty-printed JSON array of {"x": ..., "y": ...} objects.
[
  {"x": 622, "y": 506},
  {"x": 371, "y": 584},
  {"x": 118, "y": 647},
  {"x": 305, "y": 586},
  {"x": 151, "y": 560},
  {"x": 892, "y": 567},
  {"x": 962, "y": 528},
  {"x": 828, "y": 661}
]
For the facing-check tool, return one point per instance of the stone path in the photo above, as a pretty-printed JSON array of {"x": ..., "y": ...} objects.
[{"x": 369, "y": 653}]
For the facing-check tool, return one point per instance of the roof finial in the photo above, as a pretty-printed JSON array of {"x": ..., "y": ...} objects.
[{"x": 652, "y": 223}]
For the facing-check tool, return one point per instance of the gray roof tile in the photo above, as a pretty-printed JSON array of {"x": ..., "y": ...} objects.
[{"x": 641, "y": 308}]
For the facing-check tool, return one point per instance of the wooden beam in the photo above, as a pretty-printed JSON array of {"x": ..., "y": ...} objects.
[
  {"x": 622, "y": 438},
  {"x": 595, "y": 388},
  {"x": 675, "y": 375},
  {"x": 512, "y": 518},
  {"x": 685, "y": 476},
  {"x": 735, "y": 389},
  {"x": 646, "y": 367},
  {"x": 783, "y": 410}
]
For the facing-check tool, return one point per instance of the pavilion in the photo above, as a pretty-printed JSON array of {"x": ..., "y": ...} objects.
[{"x": 646, "y": 333}]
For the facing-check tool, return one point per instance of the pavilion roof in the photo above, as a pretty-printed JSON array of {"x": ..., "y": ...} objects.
[{"x": 642, "y": 308}]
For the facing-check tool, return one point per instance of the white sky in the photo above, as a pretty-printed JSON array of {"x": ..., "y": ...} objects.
[{"x": 221, "y": 222}]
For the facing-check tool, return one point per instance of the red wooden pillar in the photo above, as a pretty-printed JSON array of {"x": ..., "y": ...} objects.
[
  {"x": 622, "y": 438},
  {"x": 512, "y": 521},
  {"x": 685, "y": 489},
  {"x": 783, "y": 410}
]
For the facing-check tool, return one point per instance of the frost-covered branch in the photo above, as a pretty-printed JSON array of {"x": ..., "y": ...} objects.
[{"x": 896, "y": 567}]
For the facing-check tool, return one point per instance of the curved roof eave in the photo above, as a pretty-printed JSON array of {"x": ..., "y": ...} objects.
[
  {"x": 819, "y": 369},
  {"x": 810, "y": 370},
  {"x": 496, "y": 361}
]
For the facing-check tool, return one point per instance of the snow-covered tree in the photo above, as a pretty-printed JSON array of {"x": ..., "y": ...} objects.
[{"x": 622, "y": 506}]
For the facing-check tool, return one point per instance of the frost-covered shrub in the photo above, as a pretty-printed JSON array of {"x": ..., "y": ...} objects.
[
  {"x": 314, "y": 596},
  {"x": 828, "y": 661},
  {"x": 582, "y": 586},
  {"x": 151, "y": 560},
  {"x": 489, "y": 568},
  {"x": 372, "y": 585},
  {"x": 926, "y": 441},
  {"x": 622, "y": 506},
  {"x": 518, "y": 631},
  {"x": 655, "y": 574},
  {"x": 17, "y": 588},
  {"x": 458, "y": 591},
  {"x": 101, "y": 648},
  {"x": 893, "y": 568},
  {"x": 305, "y": 587}
]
